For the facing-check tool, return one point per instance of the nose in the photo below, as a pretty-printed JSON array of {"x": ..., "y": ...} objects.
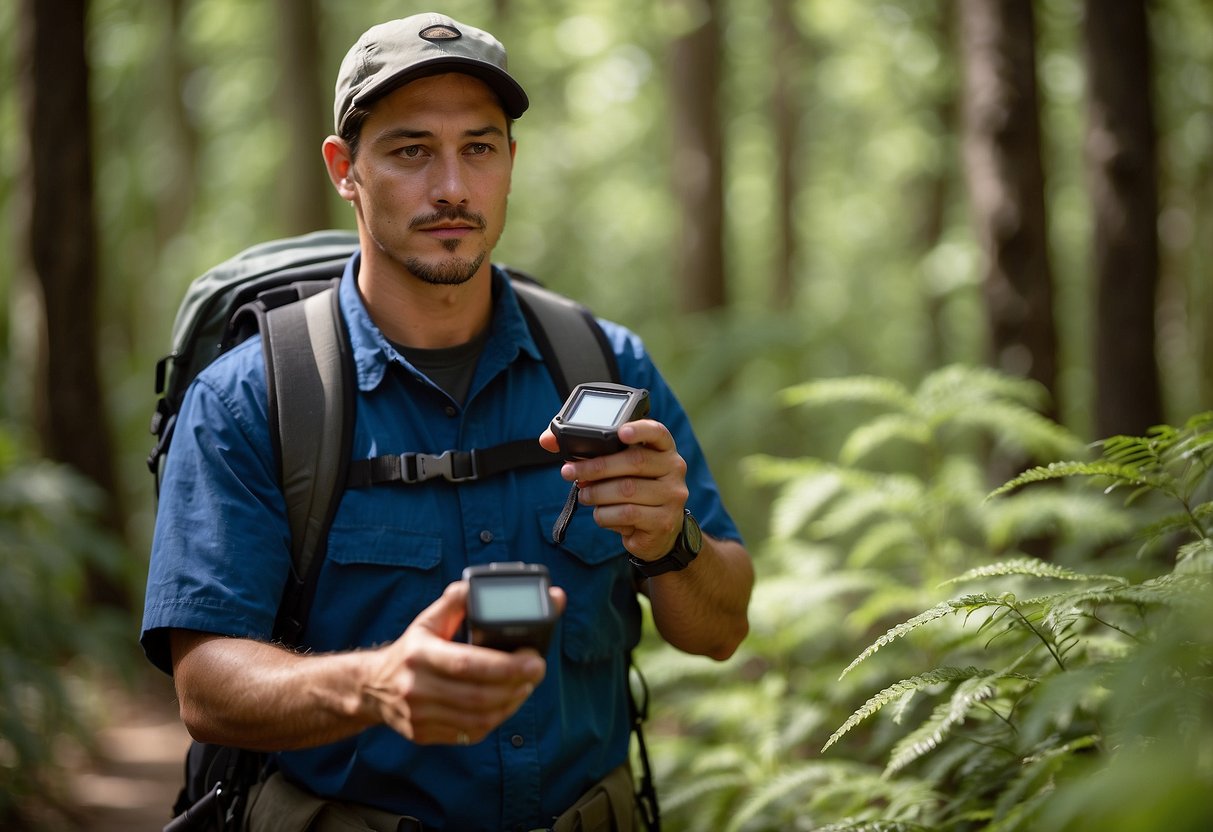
[{"x": 449, "y": 185}]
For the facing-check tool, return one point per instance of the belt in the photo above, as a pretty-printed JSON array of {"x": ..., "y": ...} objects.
[{"x": 609, "y": 806}]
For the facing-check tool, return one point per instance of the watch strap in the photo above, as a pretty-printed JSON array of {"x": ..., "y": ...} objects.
[{"x": 680, "y": 557}]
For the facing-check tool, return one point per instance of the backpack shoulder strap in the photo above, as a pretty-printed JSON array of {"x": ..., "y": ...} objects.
[
  {"x": 574, "y": 347},
  {"x": 311, "y": 379}
]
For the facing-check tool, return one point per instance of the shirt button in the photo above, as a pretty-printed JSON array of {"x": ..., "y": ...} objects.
[
  {"x": 450, "y": 410},
  {"x": 486, "y": 536},
  {"x": 517, "y": 741}
]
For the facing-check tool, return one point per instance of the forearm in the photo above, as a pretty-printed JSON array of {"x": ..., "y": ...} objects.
[
  {"x": 703, "y": 608},
  {"x": 264, "y": 697}
]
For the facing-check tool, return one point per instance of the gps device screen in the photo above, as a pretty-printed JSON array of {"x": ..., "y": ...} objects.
[
  {"x": 588, "y": 423},
  {"x": 597, "y": 407},
  {"x": 511, "y": 599},
  {"x": 508, "y": 606}
]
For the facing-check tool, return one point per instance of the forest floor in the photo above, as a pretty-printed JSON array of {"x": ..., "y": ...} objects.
[{"x": 131, "y": 780}]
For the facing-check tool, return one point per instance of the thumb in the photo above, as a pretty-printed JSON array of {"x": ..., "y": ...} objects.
[{"x": 443, "y": 617}]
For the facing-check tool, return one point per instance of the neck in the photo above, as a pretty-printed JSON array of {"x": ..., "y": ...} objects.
[{"x": 413, "y": 313}]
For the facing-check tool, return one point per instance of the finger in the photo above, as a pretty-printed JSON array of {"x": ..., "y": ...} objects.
[
  {"x": 647, "y": 432},
  {"x": 443, "y": 617},
  {"x": 547, "y": 441}
]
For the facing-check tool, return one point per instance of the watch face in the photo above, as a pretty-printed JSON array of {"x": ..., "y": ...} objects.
[{"x": 692, "y": 534}]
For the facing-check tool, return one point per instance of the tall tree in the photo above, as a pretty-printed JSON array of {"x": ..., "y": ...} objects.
[
  {"x": 698, "y": 163},
  {"x": 302, "y": 94},
  {"x": 69, "y": 405},
  {"x": 1002, "y": 152},
  {"x": 1122, "y": 167},
  {"x": 789, "y": 47}
]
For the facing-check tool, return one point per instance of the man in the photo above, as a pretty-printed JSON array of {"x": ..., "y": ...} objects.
[{"x": 383, "y": 720}]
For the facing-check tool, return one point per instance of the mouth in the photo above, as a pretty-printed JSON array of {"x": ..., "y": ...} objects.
[{"x": 447, "y": 230}]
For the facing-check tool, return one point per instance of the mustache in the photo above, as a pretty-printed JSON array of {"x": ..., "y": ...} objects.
[{"x": 454, "y": 212}]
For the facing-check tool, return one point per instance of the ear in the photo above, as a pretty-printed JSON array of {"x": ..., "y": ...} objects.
[{"x": 340, "y": 168}]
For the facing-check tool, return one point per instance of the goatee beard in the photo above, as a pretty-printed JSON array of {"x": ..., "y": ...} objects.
[
  {"x": 456, "y": 270},
  {"x": 452, "y": 272}
]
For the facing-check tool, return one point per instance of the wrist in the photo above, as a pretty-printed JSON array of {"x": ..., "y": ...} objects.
[{"x": 685, "y": 549}]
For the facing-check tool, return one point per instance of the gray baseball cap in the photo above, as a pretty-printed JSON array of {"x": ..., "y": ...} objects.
[{"x": 391, "y": 54}]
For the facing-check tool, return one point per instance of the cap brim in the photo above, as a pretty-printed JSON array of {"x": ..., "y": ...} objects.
[{"x": 514, "y": 101}]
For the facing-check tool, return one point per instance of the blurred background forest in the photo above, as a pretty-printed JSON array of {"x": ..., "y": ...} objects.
[{"x": 772, "y": 193}]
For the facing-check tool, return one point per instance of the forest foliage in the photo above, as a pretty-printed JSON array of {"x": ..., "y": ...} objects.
[{"x": 854, "y": 436}]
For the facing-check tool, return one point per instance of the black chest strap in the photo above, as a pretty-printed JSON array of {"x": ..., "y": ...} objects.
[{"x": 453, "y": 466}]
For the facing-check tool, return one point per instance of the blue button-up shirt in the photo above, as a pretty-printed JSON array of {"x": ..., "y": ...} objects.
[{"x": 221, "y": 554}]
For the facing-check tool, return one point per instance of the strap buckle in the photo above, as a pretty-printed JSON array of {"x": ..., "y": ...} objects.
[{"x": 415, "y": 467}]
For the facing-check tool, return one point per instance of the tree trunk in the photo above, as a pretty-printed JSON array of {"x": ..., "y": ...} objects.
[
  {"x": 698, "y": 161},
  {"x": 1006, "y": 185},
  {"x": 1121, "y": 160},
  {"x": 789, "y": 46},
  {"x": 305, "y": 188},
  {"x": 69, "y": 406}
]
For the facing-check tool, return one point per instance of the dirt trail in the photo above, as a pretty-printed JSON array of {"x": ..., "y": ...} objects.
[{"x": 133, "y": 782}]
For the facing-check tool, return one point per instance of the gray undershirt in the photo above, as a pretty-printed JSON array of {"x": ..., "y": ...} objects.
[{"x": 451, "y": 368}]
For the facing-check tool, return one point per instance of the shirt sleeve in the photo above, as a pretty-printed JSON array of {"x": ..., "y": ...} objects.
[
  {"x": 637, "y": 369},
  {"x": 220, "y": 552}
]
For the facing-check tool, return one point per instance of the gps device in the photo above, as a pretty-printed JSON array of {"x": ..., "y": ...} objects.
[
  {"x": 588, "y": 423},
  {"x": 509, "y": 606}
]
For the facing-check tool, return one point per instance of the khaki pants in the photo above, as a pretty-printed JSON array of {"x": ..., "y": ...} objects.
[{"x": 279, "y": 806}]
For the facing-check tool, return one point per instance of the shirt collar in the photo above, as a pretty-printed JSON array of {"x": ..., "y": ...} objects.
[{"x": 508, "y": 333}]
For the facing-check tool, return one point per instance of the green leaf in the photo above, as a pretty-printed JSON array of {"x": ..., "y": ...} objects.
[
  {"x": 1031, "y": 567},
  {"x": 903, "y": 688},
  {"x": 968, "y": 602},
  {"x": 854, "y": 390}
]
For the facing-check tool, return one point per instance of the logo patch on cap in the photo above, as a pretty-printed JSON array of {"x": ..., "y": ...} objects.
[{"x": 440, "y": 32}]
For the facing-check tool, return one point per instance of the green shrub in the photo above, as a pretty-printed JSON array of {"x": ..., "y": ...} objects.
[
  {"x": 1065, "y": 638},
  {"x": 50, "y": 639}
]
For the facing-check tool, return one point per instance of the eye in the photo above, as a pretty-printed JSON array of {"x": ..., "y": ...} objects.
[
  {"x": 479, "y": 149},
  {"x": 412, "y": 151}
]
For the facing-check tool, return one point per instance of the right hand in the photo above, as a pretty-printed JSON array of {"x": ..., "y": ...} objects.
[{"x": 433, "y": 690}]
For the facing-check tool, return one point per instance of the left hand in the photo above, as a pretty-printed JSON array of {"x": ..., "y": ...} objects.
[{"x": 639, "y": 492}]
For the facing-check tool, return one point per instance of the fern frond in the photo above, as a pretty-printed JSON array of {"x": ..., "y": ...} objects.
[
  {"x": 967, "y": 602},
  {"x": 764, "y": 469},
  {"x": 1031, "y": 567},
  {"x": 927, "y": 737},
  {"x": 1141, "y": 452},
  {"x": 889, "y": 495},
  {"x": 901, "y": 689},
  {"x": 1195, "y": 557},
  {"x": 879, "y": 432},
  {"x": 970, "y": 382},
  {"x": 851, "y": 390},
  {"x": 701, "y": 787},
  {"x": 1019, "y": 427},
  {"x": 875, "y": 826},
  {"x": 892, "y": 535},
  {"x": 1060, "y": 470},
  {"x": 786, "y": 784},
  {"x": 800, "y": 500}
]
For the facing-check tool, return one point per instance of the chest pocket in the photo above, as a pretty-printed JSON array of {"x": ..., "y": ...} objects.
[
  {"x": 602, "y": 619},
  {"x": 376, "y": 579}
]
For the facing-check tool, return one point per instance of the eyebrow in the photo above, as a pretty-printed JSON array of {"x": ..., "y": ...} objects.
[{"x": 397, "y": 133}]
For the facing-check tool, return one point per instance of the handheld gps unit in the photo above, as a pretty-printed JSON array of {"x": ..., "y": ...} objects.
[
  {"x": 509, "y": 606},
  {"x": 588, "y": 423}
]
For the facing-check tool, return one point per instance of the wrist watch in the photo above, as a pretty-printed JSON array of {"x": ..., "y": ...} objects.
[{"x": 686, "y": 549}]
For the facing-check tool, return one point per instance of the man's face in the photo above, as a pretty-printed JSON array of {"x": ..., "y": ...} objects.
[{"x": 432, "y": 176}]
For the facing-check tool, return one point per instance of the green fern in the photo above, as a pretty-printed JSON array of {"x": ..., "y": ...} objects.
[
  {"x": 903, "y": 688},
  {"x": 924, "y": 739},
  {"x": 1031, "y": 567},
  {"x": 968, "y": 603},
  {"x": 892, "y": 427},
  {"x": 1119, "y": 474},
  {"x": 852, "y": 390}
]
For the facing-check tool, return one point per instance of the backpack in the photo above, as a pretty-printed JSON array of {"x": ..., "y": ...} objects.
[{"x": 287, "y": 290}]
